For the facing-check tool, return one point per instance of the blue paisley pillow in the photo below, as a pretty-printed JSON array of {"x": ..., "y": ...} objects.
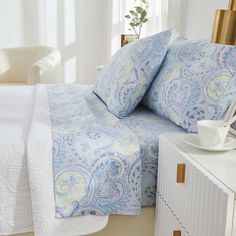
[
  {"x": 127, "y": 76},
  {"x": 197, "y": 80}
]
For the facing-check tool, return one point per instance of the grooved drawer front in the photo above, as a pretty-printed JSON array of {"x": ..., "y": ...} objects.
[
  {"x": 202, "y": 204},
  {"x": 166, "y": 221},
  {"x": 234, "y": 221}
]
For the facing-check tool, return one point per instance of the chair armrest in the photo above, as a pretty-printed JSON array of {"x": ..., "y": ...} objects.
[{"x": 46, "y": 70}]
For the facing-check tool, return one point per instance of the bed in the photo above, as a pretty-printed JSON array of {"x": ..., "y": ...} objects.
[{"x": 17, "y": 215}]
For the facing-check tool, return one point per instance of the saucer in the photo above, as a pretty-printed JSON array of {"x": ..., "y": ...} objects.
[{"x": 193, "y": 140}]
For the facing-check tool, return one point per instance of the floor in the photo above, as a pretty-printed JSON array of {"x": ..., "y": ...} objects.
[{"x": 142, "y": 225}]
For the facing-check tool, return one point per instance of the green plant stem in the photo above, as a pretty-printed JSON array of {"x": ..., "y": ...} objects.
[
  {"x": 136, "y": 33},
  {"x": 140, "y": 28}
]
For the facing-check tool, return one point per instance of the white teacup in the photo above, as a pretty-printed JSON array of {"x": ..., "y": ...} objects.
[{"x": 212, "y": 133}]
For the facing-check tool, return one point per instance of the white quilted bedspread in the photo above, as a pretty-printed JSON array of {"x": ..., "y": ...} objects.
[
  {"x": 15, "y": 203},
  {"x": 24, "y": 208}
]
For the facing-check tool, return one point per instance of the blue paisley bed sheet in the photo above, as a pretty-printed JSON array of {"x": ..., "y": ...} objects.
[
  {"x": 102, "y": 165},
  {"x": 96, "y": 158},
  {"x": 148, "y": 126}
]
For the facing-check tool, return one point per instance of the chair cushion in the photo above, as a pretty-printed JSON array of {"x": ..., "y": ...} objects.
[
  {"x": 126, "y": 77},
  {"x": 197, "y": 81}
]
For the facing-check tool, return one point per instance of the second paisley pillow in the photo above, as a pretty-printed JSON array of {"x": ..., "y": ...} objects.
[
  {"x": 127, "y": 76},
  {"x": 197, "y": 81}
]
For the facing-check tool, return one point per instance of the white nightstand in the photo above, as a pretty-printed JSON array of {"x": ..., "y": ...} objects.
[{"x": 196, "y": 193}]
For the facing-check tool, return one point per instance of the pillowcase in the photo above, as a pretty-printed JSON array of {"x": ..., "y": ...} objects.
[
  {"x": 197, "y": 81},
  {"x": 124, "y": 80}
]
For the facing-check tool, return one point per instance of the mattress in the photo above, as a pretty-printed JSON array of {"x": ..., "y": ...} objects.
[
  {"x": 148, "y": 127},
  {"x": 16, "y": 105}
]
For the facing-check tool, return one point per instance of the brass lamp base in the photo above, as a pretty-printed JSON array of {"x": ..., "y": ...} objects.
[{"x": 224, "y": 31}]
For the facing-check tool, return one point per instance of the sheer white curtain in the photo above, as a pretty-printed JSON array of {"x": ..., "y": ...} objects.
[
  {"x": 162, "y": 15},
  {"x": 87, "y": 32},
  {"x": 77, "y": 27}
]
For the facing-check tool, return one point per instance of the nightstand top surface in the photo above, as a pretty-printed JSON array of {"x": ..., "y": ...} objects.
[{"x": 220, "y": 164}]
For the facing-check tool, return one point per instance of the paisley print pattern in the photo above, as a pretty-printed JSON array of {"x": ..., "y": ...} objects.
[
  {"x": 127, "y": 76},
  {"x": 96, "y": 158},
  {"x": 147, "y": 126},
  {"x": 197, "y": 81}
]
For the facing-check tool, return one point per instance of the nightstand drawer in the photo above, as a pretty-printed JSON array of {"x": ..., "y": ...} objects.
[
  {"x": 202, "y": 203},
  {"x": 167, "y": 224}
]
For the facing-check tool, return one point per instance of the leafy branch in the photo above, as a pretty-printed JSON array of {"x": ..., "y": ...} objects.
[{"x": 138, "y": 17}]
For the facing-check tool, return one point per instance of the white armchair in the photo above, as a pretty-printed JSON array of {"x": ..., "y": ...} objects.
[{"x": 29, "y": 65}]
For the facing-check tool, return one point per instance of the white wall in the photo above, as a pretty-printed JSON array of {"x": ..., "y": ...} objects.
[
  {"x": 77, "y": 27},
  {"x": 200, "y": 17}
]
